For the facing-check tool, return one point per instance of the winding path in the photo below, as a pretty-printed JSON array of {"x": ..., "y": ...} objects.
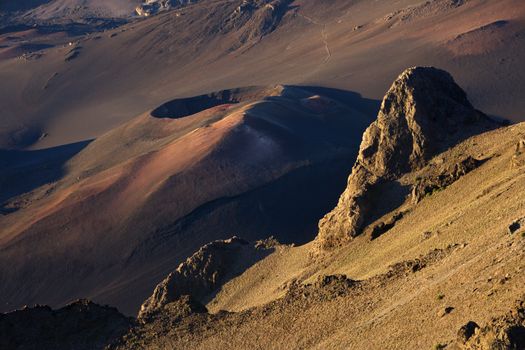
[{"x": 324, "y": 35}]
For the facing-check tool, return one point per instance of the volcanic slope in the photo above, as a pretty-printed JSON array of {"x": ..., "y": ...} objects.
[
  {"x": 112, "y": 220},
  {"x": 54, "y": 93},
  {"x": 446, "y": 273},
  {"x": 62, "y": 10}
]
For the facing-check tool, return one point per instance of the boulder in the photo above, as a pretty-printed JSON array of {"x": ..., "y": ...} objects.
[
  {"x": 467, "y": 331},
  {"x": 516, "y": 226}
]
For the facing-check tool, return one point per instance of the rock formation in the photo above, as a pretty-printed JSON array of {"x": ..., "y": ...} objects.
[
  {"x": 518, "y": 159},
  {"x": 151, "y": 7},
  {"x": 202, "y": 273},
  {"x": 506, "y": 332},
  {"x": 424, "y": 113},
  {"x": 79, "y": 325},
  {"x": 254, "y": 19},
  {"x": 443, "y": 177}
]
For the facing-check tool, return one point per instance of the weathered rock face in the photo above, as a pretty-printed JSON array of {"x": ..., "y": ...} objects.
[
  {"x": 79, "y": 325},
  {"x": 202, "y": 273},
  {"x": 424, "y": 113}
]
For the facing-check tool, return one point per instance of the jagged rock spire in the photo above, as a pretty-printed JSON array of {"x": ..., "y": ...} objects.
[{"x": 424, "y": 113}]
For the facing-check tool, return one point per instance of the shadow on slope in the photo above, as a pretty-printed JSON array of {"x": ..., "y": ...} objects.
[
  {"x": 24, "y": 171},
  {"x": 21, "y": 5},
  {"x": 154, "y": 190},
  {"x": 203, "y": 274},
  {"x": 183, "y": 107},
  {"x": 288, "y": 208},
  {"x": 72, "y": 29}
]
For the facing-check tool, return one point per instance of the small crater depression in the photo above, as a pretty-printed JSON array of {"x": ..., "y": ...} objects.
[{"x": 180, "y": 108}]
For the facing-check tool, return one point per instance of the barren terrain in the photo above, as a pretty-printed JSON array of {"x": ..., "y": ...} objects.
[{"x": 244, "y": 174}]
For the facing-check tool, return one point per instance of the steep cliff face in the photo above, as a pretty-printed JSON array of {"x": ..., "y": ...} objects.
[{"x": 424, "y": 113}]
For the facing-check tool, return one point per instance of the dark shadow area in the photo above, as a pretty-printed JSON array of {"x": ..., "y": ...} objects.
[
  {"x": 241, "y": 262},
  {"x": 88, "y": 25},
  {"x": 385, "y": 197},
  {"x": 501, "y": 120},
  {"x": 21, "y": 5},
  {"x": 188, "y": 106},
  {"x": 288, "y": 208},
  {"x": 183, "y": 107},
  {"x": 384, "y": 226},
  {"x": 517, "y": 337},
  {"x": 24, "y": 171},
  {"x": 79, "y": 325}
]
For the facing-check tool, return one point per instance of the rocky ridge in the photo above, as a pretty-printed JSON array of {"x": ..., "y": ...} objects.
[
  {"x": 79, "y": 325},
  {"x": 202, "y": 273}
]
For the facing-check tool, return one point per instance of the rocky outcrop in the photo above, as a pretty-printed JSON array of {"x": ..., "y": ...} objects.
[
  {"x": 443, "y": 177},
  {"x": 203, "y": 273},
  {"x": 467, "y": 331},
  {"x": 80, "y": 325},
  {"x": 264, "y": 20},
  {"x": 250, "y": 20},
  {"x": 383, "y": 226},
  {"x": 152, "y": 7},
  {"x": 518, "y": 158},
  {"x": 503, "y": 333},
  {"x": 424, "y": 113},
  {"x": 254, "y": 19}
]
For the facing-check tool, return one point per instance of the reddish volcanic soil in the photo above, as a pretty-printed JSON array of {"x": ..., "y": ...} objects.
[{"x": 142, "y": 197}]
